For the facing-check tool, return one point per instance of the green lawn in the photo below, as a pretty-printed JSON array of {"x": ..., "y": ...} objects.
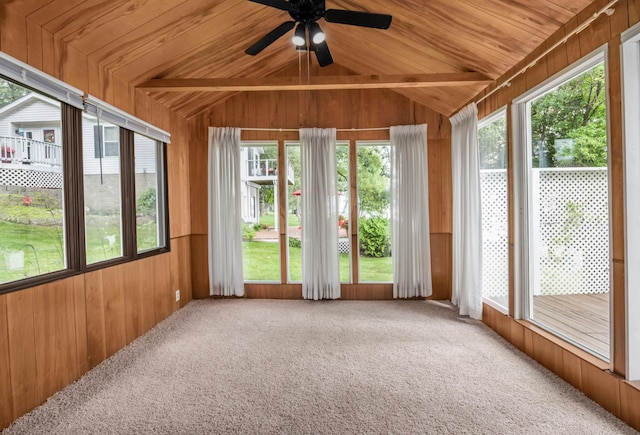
[
  {"x": 262, "y": 263},
  {"x": 269, "y": 219},
  {"x": 39, "y": 246}
]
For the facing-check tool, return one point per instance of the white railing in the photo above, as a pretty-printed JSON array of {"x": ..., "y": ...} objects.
[
  {"x": 20, "y": 150},
  {"x": 267, "y": 168}
]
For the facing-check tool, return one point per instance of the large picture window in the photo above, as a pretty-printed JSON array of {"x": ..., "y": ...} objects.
[
  {"x": 102, "y": 193},
  {"x": 32, "y": 231},
  {"x": 565, "y": 180},
  {"x": 492, "y": 140},
  {"x": 260, "y": 199},
  {"x": 374, "y": 212},
  {"x": 82, "y": 184}
]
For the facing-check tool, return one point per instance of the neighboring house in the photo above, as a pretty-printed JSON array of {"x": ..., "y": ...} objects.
[
  {"x": 30, "y": 140},
  {"x": 256, "y": 172}
]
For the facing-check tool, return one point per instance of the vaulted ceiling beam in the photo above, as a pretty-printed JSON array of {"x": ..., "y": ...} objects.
[{"x": 396, "y": 81}]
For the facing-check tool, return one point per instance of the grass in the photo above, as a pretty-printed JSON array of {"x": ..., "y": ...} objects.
[
  {"x": 269, "y": 219},
  {"x": 262, "y": 263},
  {"x": 41, "y": 248}
]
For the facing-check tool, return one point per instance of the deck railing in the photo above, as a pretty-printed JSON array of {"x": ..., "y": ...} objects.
[
  {"x": 267, "y": 168},
  {"x": 20, "y": 150}
]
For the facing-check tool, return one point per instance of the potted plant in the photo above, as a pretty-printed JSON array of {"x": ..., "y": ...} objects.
[{"x": 6, "y": 153}]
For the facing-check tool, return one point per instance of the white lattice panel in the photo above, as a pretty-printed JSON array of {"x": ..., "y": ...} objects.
[
  {"x": 495, "y": 243},
  {"x": 572, "y": 228},
  {"x": 30, "y": 178}
]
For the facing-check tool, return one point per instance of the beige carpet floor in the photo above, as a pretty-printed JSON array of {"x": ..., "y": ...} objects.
[{"x": 338, "y": 367}]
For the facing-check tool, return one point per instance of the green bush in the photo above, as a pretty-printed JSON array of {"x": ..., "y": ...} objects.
[
  {"x": 375, "y": 237},
  {"x": 248, "y": 233},
  {"x": 260, "y": 227},
  {"x": 146, "y": 203},
  {"x": 295, "y": 243}
]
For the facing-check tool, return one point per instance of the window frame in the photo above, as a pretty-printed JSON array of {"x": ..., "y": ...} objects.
[
  {"x": 630, "y": 72},
  {"x": 73, "y": 185},
  {"x": 521, "y": 163},
  {"x": 487, "y": 120}
]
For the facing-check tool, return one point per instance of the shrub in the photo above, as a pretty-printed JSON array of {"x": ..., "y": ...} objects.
[
  {"x": 295, "y": 243},
  {"x": 260, "y": 227},
  {"x": 146, "y": 203},
  {"x": 375, "y": 237},
  {"x": 248, "y": 233}
]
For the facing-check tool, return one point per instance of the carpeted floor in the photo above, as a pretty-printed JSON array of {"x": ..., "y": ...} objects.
[{"x": 340, "y": 367}]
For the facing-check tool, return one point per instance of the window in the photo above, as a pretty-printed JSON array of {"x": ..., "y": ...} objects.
[
  {"x": 294, "y": 215},
  {"x": 343, "y": 182},
  {"x": 32, "y": 231},
  {"x": 492, "y": 139},
  {"x": 106, "y": 140},
  {"x": 102, "y": 196},
  {"x": 62, "y": 209},
  {"x": 374, "y": 217},
  {"x": 149, "y": 186},
  {"x": 260, "y": 211},
  {"x": 564, "y": 187},
  {"x": 631, "y": 98}
]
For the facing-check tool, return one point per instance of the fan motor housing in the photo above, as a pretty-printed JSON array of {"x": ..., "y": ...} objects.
[{"x": 305, "y": 11}]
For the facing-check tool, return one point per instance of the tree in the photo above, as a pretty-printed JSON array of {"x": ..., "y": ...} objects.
[
  {"x": 10, "y": 92},
  {"x": 373, "y": 180},
  {"x": 576, "y": 110},
  {"x": 492, "y": 140}
]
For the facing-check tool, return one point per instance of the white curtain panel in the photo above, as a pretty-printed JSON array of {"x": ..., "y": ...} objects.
[
  {"x": 319, "y": 195},
  {"x": 410, "y": 240},
  {"x": 225, "y": 213},
  {"x": 467, "y": 214}
]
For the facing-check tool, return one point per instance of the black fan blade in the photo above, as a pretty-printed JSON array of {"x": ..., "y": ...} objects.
[
  {"x": 322, "y": 53},
  {"x": 278, "y": 4},
  {"x": 270, "y": 38},
  {"x": 354, "y": 18}
]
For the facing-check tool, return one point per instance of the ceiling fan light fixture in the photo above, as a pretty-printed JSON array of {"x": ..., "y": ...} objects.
[
  {"x": 299, "y": 37},
  {"x": 317, "y": 35}
]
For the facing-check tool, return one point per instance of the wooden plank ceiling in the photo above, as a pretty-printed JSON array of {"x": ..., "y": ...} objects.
[{"x": 139, "y": 40}]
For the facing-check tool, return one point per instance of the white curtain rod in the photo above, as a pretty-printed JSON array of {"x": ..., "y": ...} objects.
[
  {"x": 605, "y": 10},
  {"x": 296, "y": 129}
]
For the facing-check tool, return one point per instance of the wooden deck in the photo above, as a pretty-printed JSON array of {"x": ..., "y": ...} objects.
[{"x": 580, "y": 318}]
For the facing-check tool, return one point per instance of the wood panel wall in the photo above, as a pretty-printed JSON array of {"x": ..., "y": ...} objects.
[
  {"x": 343, "y": 110},
  {"x": 580, "y": 369},
  {"x": 52, "y": 334}
]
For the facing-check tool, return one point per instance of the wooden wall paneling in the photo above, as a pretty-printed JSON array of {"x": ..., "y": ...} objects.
[
  {"x": 80, "y": 314},
  {"x": 366, "y": 291},
  {"x": 198, "y": 150},
  {"x": 629, "y": 400},
  {"x": 13, "y": 34},
  {"x": 6, "y": 396},
  {"x": 548, "y": 354},
  {"x": 602, "y": 387},
  {"x": 178, "y": 176},
  {"x": 537, "y": 73},
  {"x": 634, "y": 12},
  {"x": 572, "y": 369},
  {"x": 573, "y": 43},
  {"x": 34, "y": 44},
  {"x": 556, "y": 60},
  {"x": 96, "y": 333},
  {"x": 124, "y": 96},
  {"x": 619, "y": 21},
  {"x": 440, "y": 186},
  {"x": 181, "y": 271},
  {"x": 22, "y": 352},
  {"x": 517, "y": 334},
  {"x": 55, "y": 336},
  {"x": 114, "y": 313},
  {"x": 48, "y": 53},
  {"x": 199, "y": 266},
  {"x": 158, "y": 274},
  {"x": 441, "y": 263},
  {"x": 599, "y": 31},
  {"x": 618, "y": 311},
  {"x": 134, "y": 319},
  {"x": 73, "y": 66},
  {"x": 273, "y": 291},
  {"x": 616, "y": 178}
]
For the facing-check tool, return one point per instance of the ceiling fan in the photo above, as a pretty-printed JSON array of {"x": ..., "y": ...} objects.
[{"x": 308, "y": 35}]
